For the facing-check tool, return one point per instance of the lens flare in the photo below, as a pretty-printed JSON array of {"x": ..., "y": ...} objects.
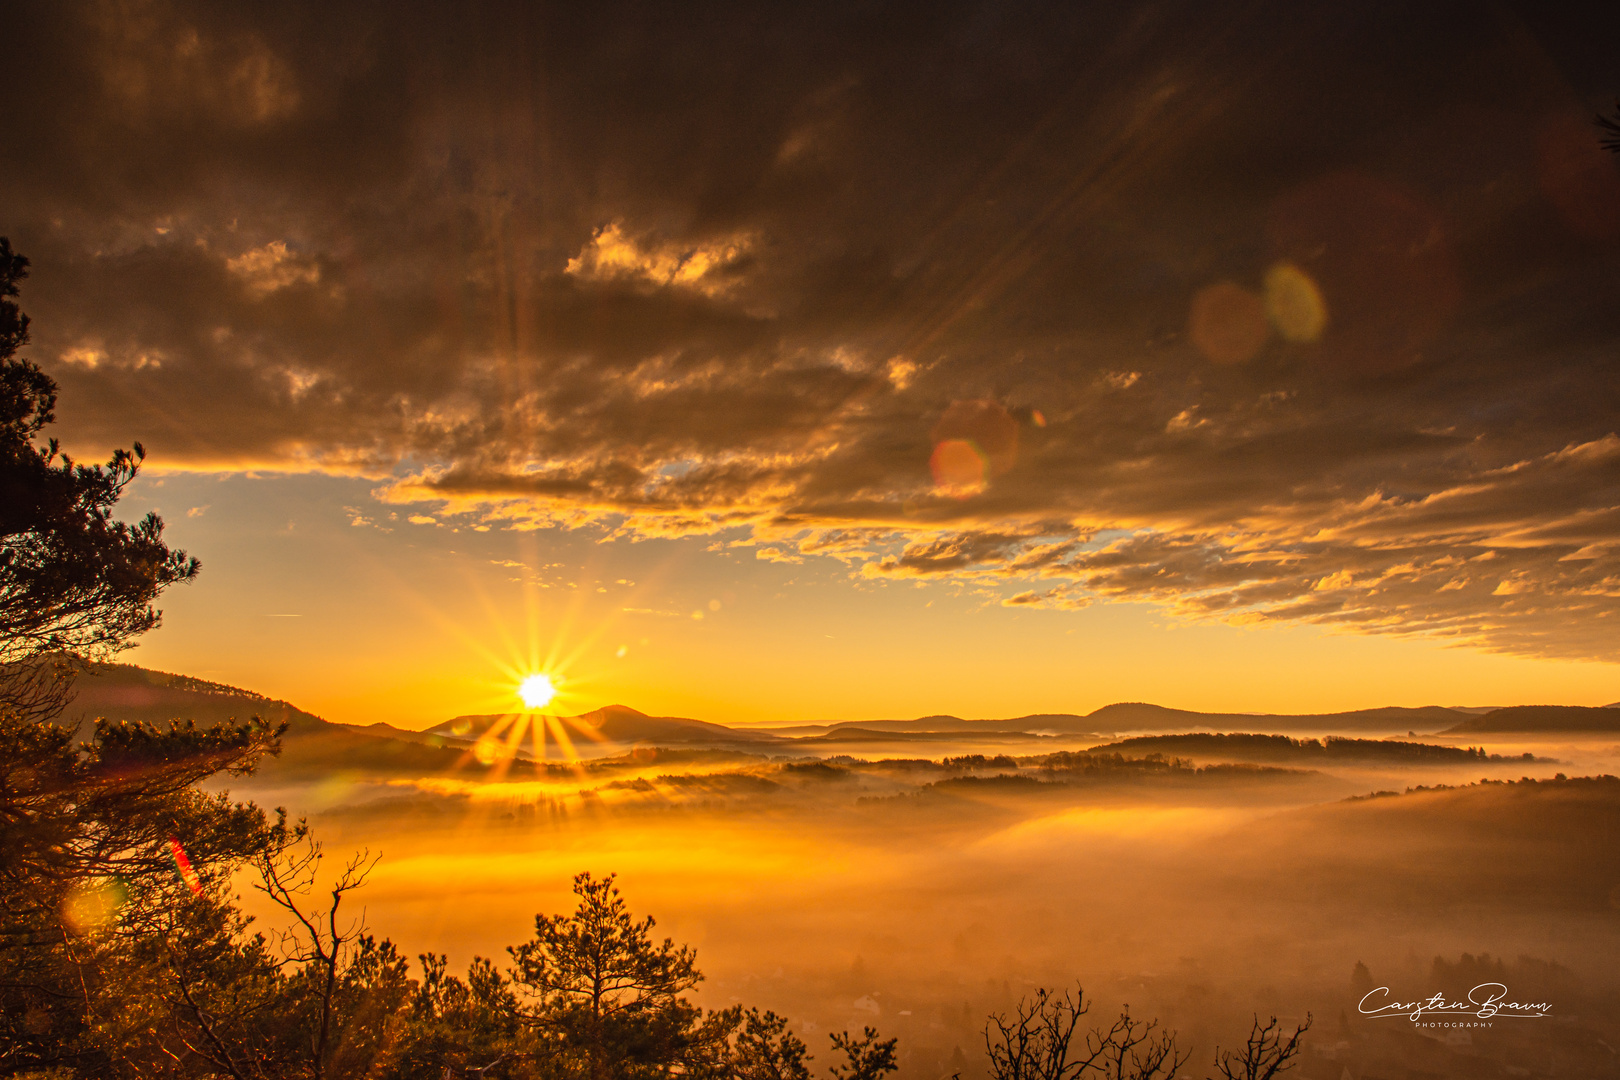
[
  {"x": 182, "y": 866},
  {"x": 537, "y": 691},
  {"x": 974, "y": 442},
  {"x": 988, "y": 426},
  {"x": 960, "y": 469},
  {"x": 1227, "y": 323},
  {"x": 1295, "y": 304},
  {"x": 94, "y": 905}
]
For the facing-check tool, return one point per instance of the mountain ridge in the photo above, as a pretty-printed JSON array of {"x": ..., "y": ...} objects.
[
  {"x": 1537, "y": 719},
  {"x": 131, "y": 692},
  {"x": 612, "y": 723}
]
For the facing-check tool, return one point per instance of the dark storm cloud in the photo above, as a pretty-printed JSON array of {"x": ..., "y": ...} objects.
[{"x": 1256, "y": 311}]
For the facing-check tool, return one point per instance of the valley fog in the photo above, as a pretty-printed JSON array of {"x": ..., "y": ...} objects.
[{"x": 918, "y": 897}]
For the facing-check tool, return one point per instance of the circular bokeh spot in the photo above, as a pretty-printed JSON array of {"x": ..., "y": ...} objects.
[
  {"x": 987, "y": 425},
  {"x": 1294, "y": 304},
  {"x": 1227, "y": 323},
  {"x": 94, "y": 905},
  {"x": 974, "y": 441},
  {"x": 959, "y": 468}
]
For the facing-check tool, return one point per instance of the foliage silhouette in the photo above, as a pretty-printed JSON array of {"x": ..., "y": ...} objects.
[
  {"x": 597, "y": 982},
  {"x": 91, "y": 837},
  {"x": 75, "y": 585}
]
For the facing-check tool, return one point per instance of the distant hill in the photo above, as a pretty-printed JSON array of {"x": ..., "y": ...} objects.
[
  {"x": 312, "y": 746},
  {"x": 1533, "y": 846},
  {"x": 128, "y": 692},
  {"x": 848, "y": 735},
  {"x": 618, "y": 724},
  {"x": 1141, "y": 716},
  {"x": 1064, "y": 723},
  {"x": 1541, "y": 719},
  {"x": 1046, "y": 723},
  {"x": 1281, "y": 748}
]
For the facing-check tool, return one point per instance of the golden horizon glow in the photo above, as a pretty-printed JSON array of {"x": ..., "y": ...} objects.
[{"x": 537, "y": 691}]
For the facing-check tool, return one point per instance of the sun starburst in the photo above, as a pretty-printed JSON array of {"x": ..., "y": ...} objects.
[{"x": 537, "y": 691}]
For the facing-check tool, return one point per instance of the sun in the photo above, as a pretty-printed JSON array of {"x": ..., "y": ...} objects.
[{"x": 536, "y": 691}]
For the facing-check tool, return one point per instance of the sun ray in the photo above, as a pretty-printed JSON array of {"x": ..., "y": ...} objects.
[
  {"x": 564, "y": 743},
  {"x": 509, "y": 751}
]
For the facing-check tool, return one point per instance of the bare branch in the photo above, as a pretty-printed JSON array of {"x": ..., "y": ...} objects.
[{"x": 1265, "y": 1054}]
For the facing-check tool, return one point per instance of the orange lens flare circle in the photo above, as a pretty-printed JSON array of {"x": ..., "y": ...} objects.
[
  {"x": 1228, "y": 323},
  {"x": 974, "y": 442},
  {"x": 960, "y": 469}
]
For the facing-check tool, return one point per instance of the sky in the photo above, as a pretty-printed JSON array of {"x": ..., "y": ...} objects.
[{"x": 782, "y": 363}]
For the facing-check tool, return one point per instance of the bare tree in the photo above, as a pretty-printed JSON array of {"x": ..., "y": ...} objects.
[
  {"x": 1033, "y": 1043},
  {"x": 1037, "y": 1042},
  {"x": 1133, "y": 1050},
  {"x": 1266, "y": 1053},
  {"x": 315, "y": 940}
]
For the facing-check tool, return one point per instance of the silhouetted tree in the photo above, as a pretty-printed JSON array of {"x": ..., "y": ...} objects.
[
  {"x": 1268, "y": 1051},
  {"x": 1041, "y": 1040},
  {"x": 462, "y": 1028},
  {"x": 597, "y": 983},
  {"x": 98, "y": 843},
  {"x": 348, "y": 989},
  {"x": 101, "y": 843},
  {"x": 1037, "y": 1041},
  {"x": 866, "y": 1058},
  {"x": 74, "y": 583},
  {"x": 765, "y": 1049}
]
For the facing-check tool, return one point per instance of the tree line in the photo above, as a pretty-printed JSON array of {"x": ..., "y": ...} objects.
[{"x": 124, "y": 951}]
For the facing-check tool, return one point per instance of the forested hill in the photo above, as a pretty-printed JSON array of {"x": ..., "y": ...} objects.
[
  {"x": 311, "y": 747},
  {"x": 1144, "y": 716},
  {"x": 1536, "y": 719},
  {"x": 128, "y": 692},
  {"x": 1140, "y": 716}
]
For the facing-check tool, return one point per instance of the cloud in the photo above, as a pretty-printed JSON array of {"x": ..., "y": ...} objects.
[
  {"x": 611, "y": 255},
  {"x": 271, "y": 267},
  {"x": 1037, "y": 304},
  {"x": 1061, "y": 598}
]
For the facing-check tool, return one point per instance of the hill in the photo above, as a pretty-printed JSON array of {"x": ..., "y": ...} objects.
[
  {"x": 1056, "y": 723},
  {"x": 1446, "y": 848},
  {"x": 1281, "y": 748},
  {"x": 127, "y": 692},
  {"x": 616, "y": 724},
  {"x": 1541, "y": 719},
  {"x": 312, "y": 746},
  {"x": 1141, "y": 716}
]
